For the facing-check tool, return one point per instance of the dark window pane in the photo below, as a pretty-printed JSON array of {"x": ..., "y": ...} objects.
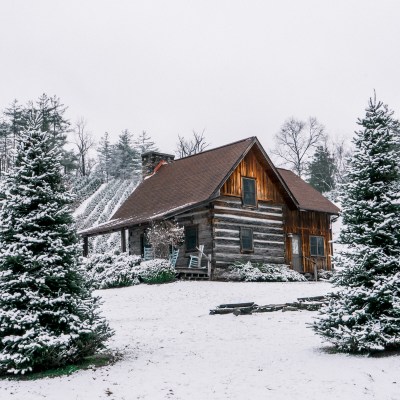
[
  {"x": 317, "y": 246},
  {"x": 191, "y": 237},
  {"x": 249, "y": 192},
  {"x": 246, "y": 239}
]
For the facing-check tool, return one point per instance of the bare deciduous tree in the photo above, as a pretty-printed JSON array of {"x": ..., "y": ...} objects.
[
  {"x": 341, "y": 152},
  {"x": 296, "y": 141},
  {"x": 194, "y": 145},
  {"x": 161, "y": 235},
  {"x": 84, "y": 142}
]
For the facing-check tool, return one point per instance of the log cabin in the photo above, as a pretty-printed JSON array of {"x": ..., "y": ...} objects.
[{"x": 233, "y": 201}]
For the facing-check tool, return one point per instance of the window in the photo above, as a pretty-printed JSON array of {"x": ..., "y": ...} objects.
[
  {"x": 191, "y": 237},
  {"x": 317, "y": 246},
  {"x": 144, "y": 244},
  {"x": 249, "y": 192},
  {"x": 246, "y": 239}
]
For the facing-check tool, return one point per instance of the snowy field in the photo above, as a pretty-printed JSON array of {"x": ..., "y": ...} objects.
[{"x": 173, "y": 349}]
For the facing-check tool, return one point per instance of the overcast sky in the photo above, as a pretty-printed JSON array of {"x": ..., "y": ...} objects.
[{"x": 234, "y": 68}]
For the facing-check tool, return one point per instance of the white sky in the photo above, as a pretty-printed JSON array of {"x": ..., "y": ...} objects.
[{"x": 234, "y": 68}]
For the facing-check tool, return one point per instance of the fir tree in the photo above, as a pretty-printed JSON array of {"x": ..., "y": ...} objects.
[
  {"x": 322, "y": 170},
  {"x": 15, "y": 116},
  {"x": 124, "y": 156},
  {"x": 48, "y": 317},
  {"x": 105, "y": 153},
  {"x": 144, "y": 143},
  {"x": 364, "y": 314}
]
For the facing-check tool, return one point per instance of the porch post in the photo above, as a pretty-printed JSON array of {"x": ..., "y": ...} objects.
[
  {"x": 85, "y": 246},
  {"x": 123, "y": 240}
]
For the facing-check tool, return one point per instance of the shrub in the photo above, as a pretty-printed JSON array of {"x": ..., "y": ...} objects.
[
  {"x": 156, "y": 271},
  {"x": 109, "y": 270},
  {"x": 266, "y": 273},
  {"x": 105, "y": 271}
]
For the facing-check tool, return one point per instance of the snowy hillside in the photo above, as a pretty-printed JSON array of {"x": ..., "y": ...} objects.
[{"x": 99, "y": 207}]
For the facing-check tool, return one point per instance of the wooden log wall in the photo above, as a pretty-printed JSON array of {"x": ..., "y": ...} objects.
[
  {"x": 134, "y": 239},
  {"x": 201, "y": 218},
  {"x": 229, "y": 216},
  {"x": 306, "y": 224}
]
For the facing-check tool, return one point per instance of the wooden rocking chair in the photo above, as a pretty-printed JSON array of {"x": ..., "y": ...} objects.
[
  {"x": 195, "y": 261},
  {"x": 148, "y": 253},
  {"x": 173, "y": 257}
]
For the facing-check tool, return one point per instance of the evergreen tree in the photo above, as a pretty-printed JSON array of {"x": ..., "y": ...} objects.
[
  {"x": 105, "y": 153},
  {"x": 322, "y": 170},
  {"x": 15, "y": 115},
  {"x": 144, "y": 143},
  {"x": 124, "y": 156},
  {"x": 364, "y": 314},
  {"x": 47, "y": 315},
  {"x": 6, "y": 157},
  {"x": 53, "y": 121}
]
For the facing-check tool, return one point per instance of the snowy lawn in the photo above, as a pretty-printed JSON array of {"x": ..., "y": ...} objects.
[{"x": 173, "y": 349}]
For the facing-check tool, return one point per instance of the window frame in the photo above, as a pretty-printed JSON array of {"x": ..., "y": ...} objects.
[
  {"x": 254, "y": 180},
  {"x": 194, "y": 227},
  {"x": 247, "y": 249},
  {"x": 319, "y": 240}
]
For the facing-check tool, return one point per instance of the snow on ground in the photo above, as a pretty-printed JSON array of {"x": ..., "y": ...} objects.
[{"x": 173, "y": 349}]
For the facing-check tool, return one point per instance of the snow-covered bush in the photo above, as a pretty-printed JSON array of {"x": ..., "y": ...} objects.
[
  {"x": 266, "y": 273},
  {"x": 324, "y": 275},
  {"x": 156, "y": 271},
  {"x": 109, "y": 270}
]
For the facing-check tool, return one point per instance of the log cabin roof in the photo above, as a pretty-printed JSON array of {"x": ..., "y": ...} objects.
[
  {"x": 192, "y": 181},
  {"x": 306, "y": 196}
]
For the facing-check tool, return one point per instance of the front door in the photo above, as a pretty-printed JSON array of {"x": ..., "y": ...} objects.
[{"x": 296, "y": 254}]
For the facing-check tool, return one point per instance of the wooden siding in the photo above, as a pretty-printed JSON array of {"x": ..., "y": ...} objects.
[
  {"x": 251, "y": 167},
  {"x": 201, "y": 218},
  {"x": 307, "y": 224},
  {"x": 134, "y": 244},
  {"x": 229, "y": 216}
]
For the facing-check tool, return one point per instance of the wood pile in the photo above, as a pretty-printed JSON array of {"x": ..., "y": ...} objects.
[{"x": 302, "y": 303}]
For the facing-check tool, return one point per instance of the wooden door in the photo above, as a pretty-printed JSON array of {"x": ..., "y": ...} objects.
[{"x": 297, "y": 256}]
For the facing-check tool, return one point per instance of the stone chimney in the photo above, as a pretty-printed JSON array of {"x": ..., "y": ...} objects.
[{"x": 151, "y": 159}]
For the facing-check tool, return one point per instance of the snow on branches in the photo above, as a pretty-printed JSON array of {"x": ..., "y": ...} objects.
[
  {"x": 364, "y": 314},
  {"x": 48, "y": 317}
]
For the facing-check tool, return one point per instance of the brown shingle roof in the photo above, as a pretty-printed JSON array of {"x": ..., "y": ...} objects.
[
  {"x": 191, "y": 181},
  {"x": 305, "y": 195},
  {"x": 182, "y": 184}
]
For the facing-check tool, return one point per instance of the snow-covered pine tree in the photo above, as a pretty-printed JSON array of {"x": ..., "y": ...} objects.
[
  {"x": 364, "y": 315},
  {"x": 48, "y": 317}
]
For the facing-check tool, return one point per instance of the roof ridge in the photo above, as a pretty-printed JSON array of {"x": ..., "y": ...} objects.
[{"x": 216, "y": 148}]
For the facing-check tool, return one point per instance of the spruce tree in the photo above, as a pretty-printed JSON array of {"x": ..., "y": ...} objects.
[
  {"x": 104, "y": 151},
  {"x": 364, "y": 315},
  {"x": 322, "y": 170},
  {"x": 124, "y": 156},
  {"x": 48, "y": 317}
]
